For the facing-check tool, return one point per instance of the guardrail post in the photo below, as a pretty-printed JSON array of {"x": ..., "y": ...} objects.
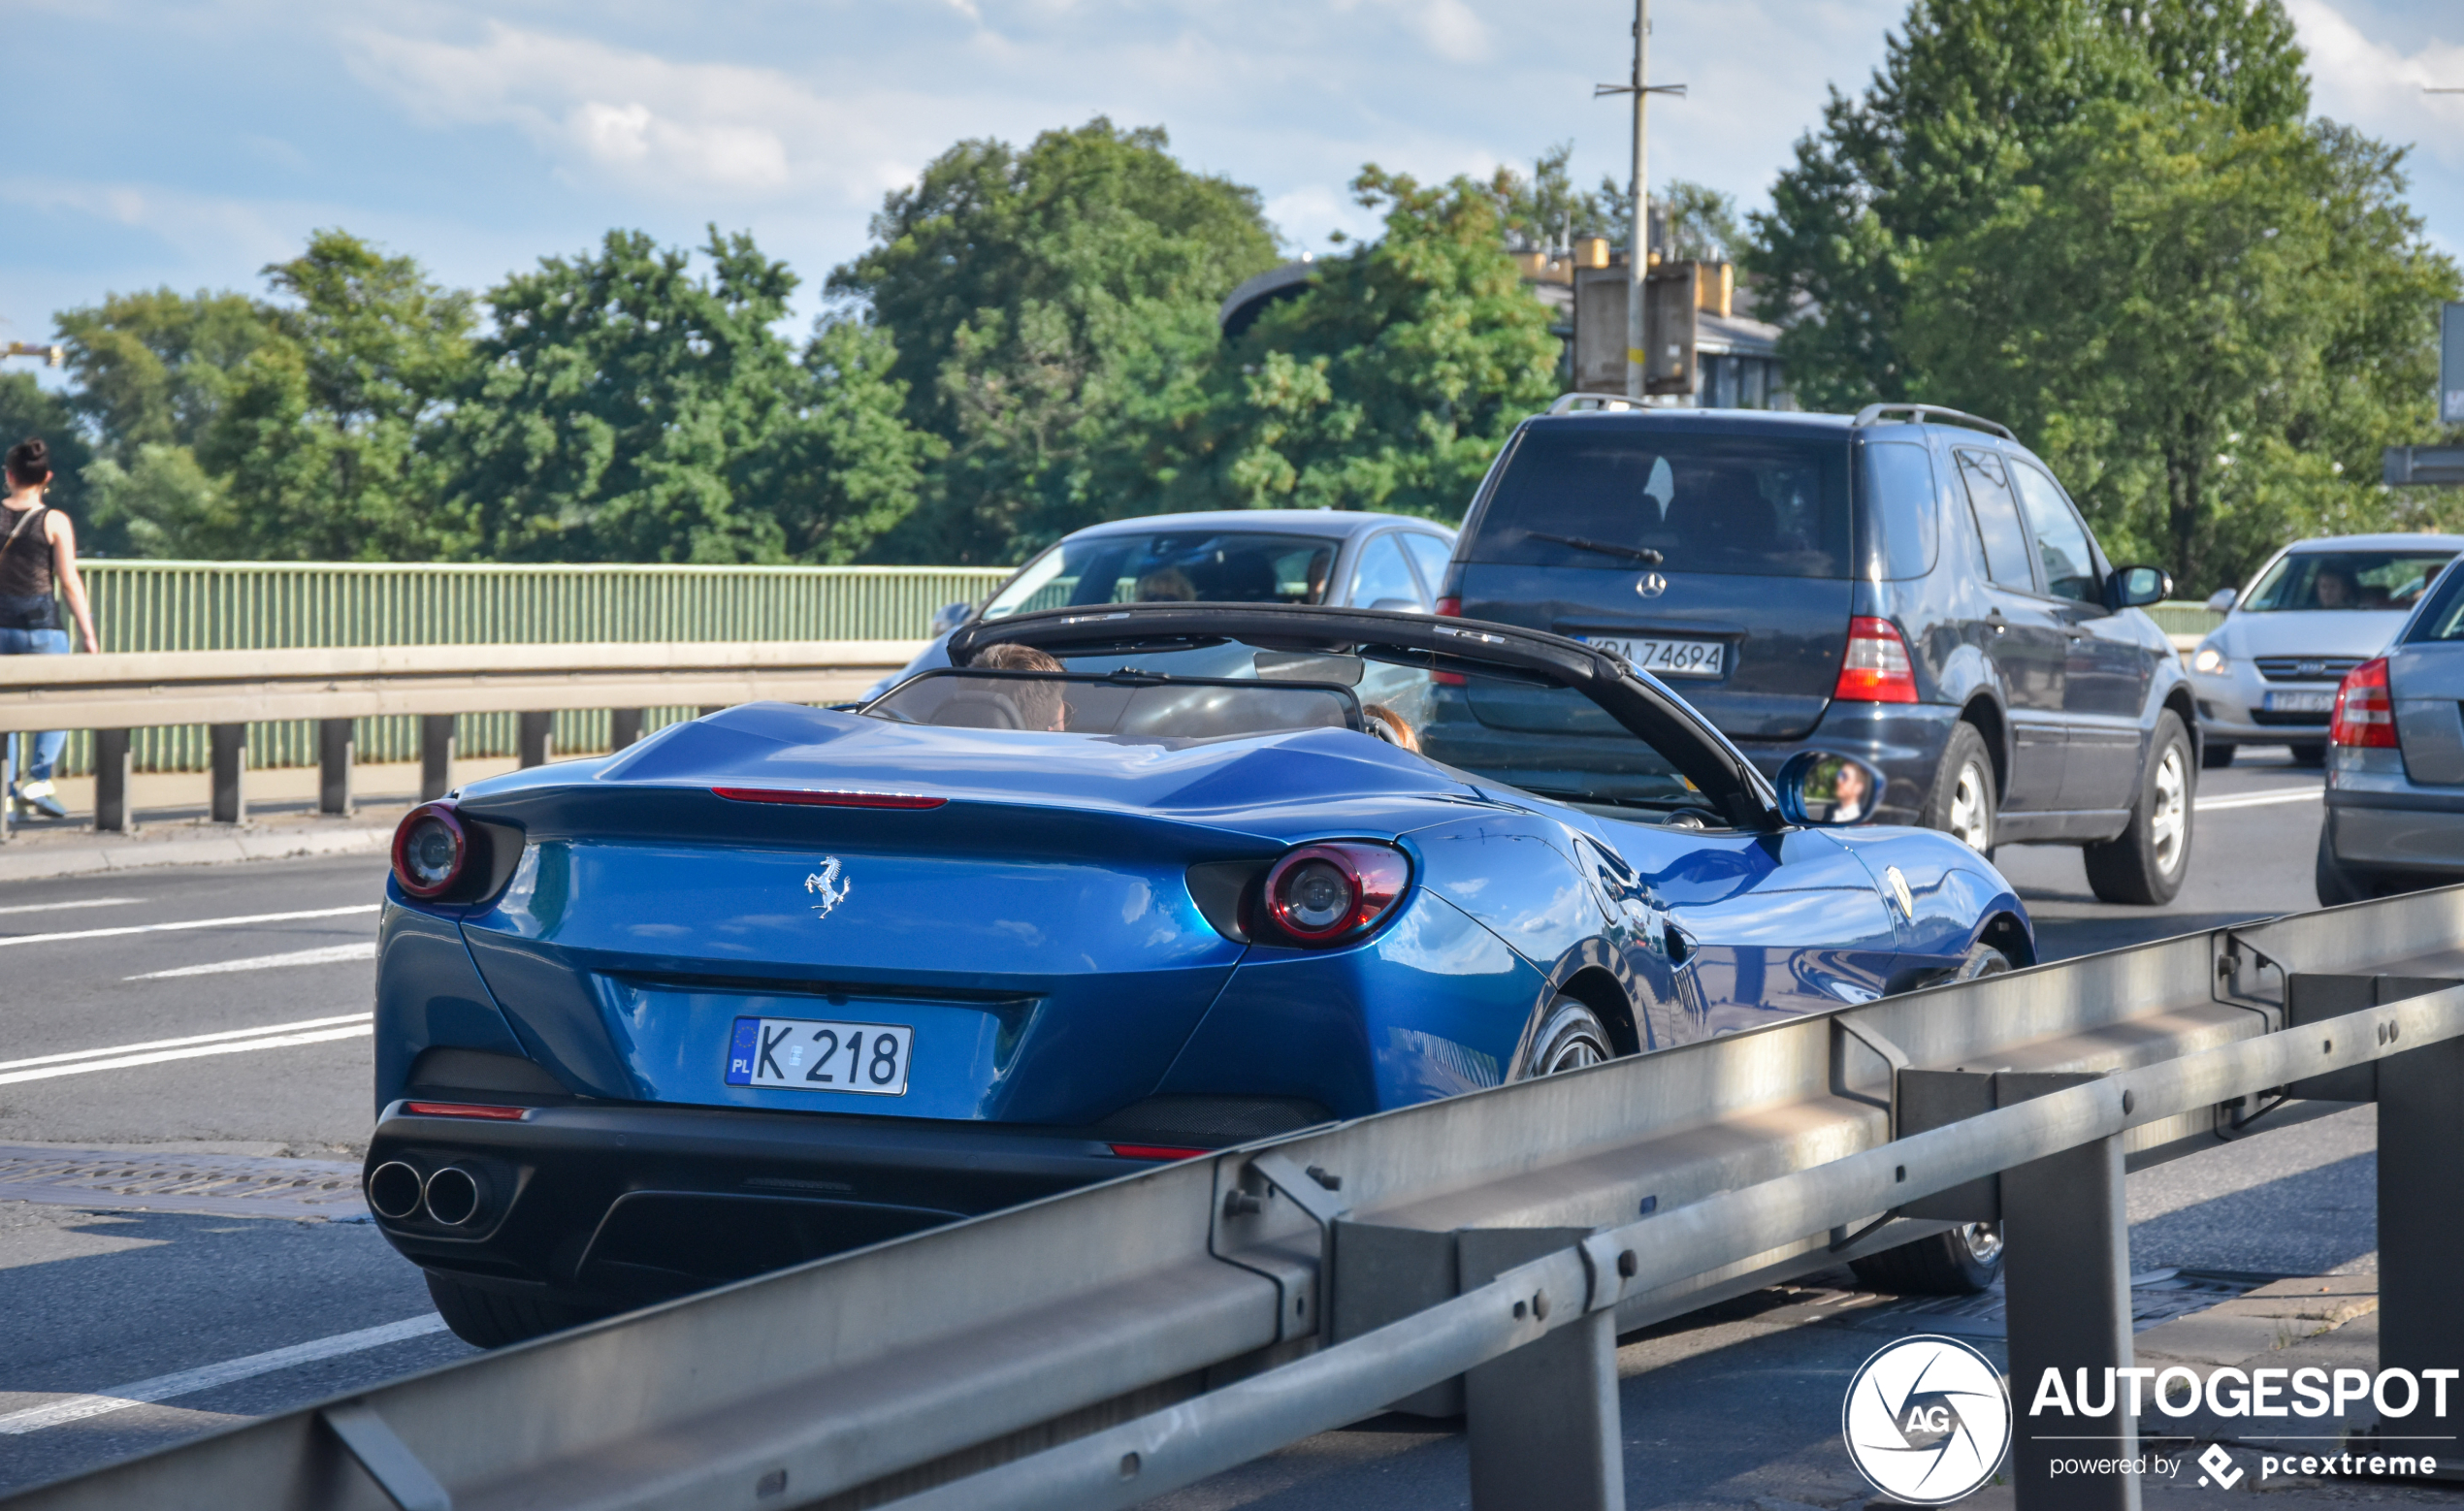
[
  {"x": 335, "y": 742},
  {"x": 623, "y": 727},
  {"x": 229, "y": 744},
  {"x": 435, "y": 755},
  {"x": 538, "y": 743},
  {"x": 111, "y": 768},
  {"x": 1543, "y": 1419},
  {"x": 2422, "y": 1213},
  {"x": 2067, "y": 1269}
]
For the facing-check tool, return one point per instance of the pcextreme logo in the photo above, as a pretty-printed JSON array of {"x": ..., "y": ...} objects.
[{"x": 1927, "y": 1420}]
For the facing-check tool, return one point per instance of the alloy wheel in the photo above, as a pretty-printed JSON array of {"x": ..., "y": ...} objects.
[
  {"x": 2169, "y": 815},
  {"x": 1972, "y": 808}
]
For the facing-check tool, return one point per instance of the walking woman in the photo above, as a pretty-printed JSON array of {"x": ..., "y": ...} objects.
[{"x": 37, "y": 559}]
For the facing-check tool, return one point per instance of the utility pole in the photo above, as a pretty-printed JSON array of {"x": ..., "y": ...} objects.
[{"x": 1638, "y": 236}]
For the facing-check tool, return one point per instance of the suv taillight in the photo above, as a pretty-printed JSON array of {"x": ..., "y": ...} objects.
[
  {"x": 1877, "y": 668},
  {"x": 2365, "y": 710}
]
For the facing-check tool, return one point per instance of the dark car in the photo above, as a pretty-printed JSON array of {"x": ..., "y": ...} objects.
[{"x": 1908, "y": 585}]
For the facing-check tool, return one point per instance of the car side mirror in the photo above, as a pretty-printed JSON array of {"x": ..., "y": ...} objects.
[
  {"x": 949, "y": 616},
  {"x": 2222, "y": 601},
  {"x": 1827, "y": 790},
  {"x": 2131, "y": 587}
]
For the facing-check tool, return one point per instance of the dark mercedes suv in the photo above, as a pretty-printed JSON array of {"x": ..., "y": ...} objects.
[{"x": 1908, "y": 585}]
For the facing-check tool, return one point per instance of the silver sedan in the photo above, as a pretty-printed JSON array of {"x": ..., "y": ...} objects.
[
  {"x": 2317, "y": 609},
  {"x": 2395, "y": 769}
]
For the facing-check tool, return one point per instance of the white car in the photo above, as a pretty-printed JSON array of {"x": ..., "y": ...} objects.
[{"x": 2317, "y": 609}]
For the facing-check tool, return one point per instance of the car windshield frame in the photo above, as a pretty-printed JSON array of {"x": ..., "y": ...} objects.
[
  {"x": 2281, "y": 577},
  {"x": 1127, "y": 680},
  {"x": 1730, "y": 784}
]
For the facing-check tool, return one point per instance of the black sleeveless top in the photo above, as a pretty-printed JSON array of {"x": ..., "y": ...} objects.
[{"x": 26, "y": 560}]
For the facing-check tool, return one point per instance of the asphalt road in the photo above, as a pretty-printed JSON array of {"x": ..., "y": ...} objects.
[{"x": 262, "y": 975}]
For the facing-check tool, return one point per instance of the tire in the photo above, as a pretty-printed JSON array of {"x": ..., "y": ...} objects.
[
  {"x": 2215, "y": 755},
  {"x": 1959, "y": 1263},
  {"x": 2337, "y": 883},
  {"x": 2146, "y": 865},
  {"x": 2310, "y": 755},
  {"x": 1963, "y": 800},
  {"x": 1570, "y": 1037},
  {"x": 492, "y": 1319}
]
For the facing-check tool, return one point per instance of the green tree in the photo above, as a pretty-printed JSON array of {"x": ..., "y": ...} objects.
[
  {"x": 27, "y": 409},
  {"x": 617, "y": 397},
  {"x": 152, "y": 369},
  {"x": 850, "y": 468},
  {"x": 1968, "y": 95},
  {"x": 1052, "y": 311},
  {"x": 2210, "y": 329},
  {"x": 1545, "y": 211},
  {"x": 1391, "y": 383},
  {"x": 317, "y": 443}
]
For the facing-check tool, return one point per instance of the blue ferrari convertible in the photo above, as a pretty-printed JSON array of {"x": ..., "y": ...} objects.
[{"x": 1124, "y": 883}]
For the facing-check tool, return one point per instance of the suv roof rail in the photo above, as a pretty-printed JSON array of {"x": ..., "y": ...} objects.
[
  {"x": 1594, "y": 404},
  {"x": 1918, "y": 414}
]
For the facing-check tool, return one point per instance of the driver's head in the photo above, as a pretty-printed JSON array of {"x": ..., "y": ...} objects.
[{"x": 1039, "y": 703}]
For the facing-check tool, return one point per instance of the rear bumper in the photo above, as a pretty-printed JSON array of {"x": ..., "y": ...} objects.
[
  {"x": 2416, "y": 832},
  {"x": 617, "y": 1204}
]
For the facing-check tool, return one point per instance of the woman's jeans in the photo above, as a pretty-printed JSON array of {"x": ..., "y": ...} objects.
[{"x": 50, "y": 742}]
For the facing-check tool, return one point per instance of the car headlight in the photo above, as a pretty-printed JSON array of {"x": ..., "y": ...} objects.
[{"x": 2210, "y": 661}]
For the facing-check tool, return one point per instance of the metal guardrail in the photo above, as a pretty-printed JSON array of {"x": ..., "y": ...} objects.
[
  {"x": 228, "y": 691},
  {"x": 1482, "y": 1253},
  {"x": 145, "y": 605}
]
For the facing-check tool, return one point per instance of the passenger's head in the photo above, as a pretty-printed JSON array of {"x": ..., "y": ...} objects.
[
  {"x": 1039, "y": 703},
  {"x": 1164, "y": 585},
  {"x": 2333, "y": 588},
  {"x": 29, "y": 462}
]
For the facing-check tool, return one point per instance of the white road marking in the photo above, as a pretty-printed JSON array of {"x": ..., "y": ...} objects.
[
  {"x": 364, "y": 950},
  {"x": 273, "y": 1036},
  {"x": 189, "y": 1382},
  {"x": 55, "y": 907},
  {"x": 2299, "y": 794},
  {"x": 192, "y": 923}
]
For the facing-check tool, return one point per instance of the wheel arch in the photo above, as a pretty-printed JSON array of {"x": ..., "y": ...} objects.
[
  {"x": 2006, "y": 933},
  {"x": 1597, "y": 990},
  {"x": 1986, "y": 715}
]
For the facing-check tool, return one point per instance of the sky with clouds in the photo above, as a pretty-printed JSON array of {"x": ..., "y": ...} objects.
[{"x": 188, "y": 142}]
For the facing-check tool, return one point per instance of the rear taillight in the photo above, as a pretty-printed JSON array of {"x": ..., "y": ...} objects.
[
  {"x": 2365, "y": 709},
  {"x": 1327, "y": 895},
  {"x": 430, "y": 850},
  {"x": 1877, "y": 668},
  {"x": 1450, "y": 608},
  {"x": 1157, "y": 1151},
  {"x": 783, "y": 794},
  {"x": 484, "y": 1110}
]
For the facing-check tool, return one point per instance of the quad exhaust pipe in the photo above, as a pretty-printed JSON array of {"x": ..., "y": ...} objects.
[{"x": 452, "y": 1194}]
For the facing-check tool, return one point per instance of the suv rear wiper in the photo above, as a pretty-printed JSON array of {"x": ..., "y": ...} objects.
[{"x": 1643, "y": 554}]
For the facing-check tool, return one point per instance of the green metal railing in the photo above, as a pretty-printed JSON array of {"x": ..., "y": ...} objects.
[
  {"x": 246, "y": 606},
  {"x": 2185, "y": 619}
]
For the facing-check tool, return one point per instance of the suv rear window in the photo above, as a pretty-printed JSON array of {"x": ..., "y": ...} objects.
[{"x": 1591, "y": 495}]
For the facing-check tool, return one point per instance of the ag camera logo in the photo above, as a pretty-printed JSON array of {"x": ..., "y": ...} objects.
[{"x": 1927, "y": 1420}]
